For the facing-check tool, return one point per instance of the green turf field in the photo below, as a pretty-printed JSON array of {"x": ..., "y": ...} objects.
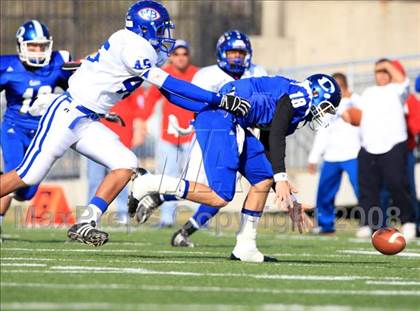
[{"x": 140, "y": 271}]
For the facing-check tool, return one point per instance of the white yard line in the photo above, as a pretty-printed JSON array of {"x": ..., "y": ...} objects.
[
  {"x": 22, "y": 264},
  {"x": 365, "y": 252},
  {"x": 27, "y": 259},
  {"x": 393, "y": 283},
  {"x": 126, "y": 270},
  {"x": 204, "y": 289}
]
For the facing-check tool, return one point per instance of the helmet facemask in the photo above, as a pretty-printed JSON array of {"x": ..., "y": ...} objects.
[
  {"x": 164, "y": 37},
  {"x": 237, "y": 65},
  {"x": 321, "y": 115},
  {"x": 159, "y": 36},
  {"x": 35, "y": 58}
]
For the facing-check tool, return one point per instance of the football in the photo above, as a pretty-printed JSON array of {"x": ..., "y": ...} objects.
[
  {"x": 353, "y": 116},
  {"x": 388, "y": 241}
]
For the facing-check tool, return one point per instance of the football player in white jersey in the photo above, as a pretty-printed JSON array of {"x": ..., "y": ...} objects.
[
  {"x": 125, "y": 60},
  {"x": 234, "y": 61}
]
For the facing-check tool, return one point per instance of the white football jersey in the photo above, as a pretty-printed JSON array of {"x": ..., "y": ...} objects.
[
  {"x": 212, "y": 78},
  {"x": 114, "y": 72}
]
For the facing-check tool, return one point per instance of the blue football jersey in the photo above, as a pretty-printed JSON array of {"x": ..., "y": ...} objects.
[
  {"x": 264, "y": 94},
  {"x": 23, "y": 84}
]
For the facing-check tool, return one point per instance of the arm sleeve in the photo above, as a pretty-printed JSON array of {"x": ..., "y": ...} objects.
[
  {"x": 190, "y": 91},
  {"x": 278, "y": 132},
  {"x": 142, "y": 64},
  {"x": 192, "y": 105}
]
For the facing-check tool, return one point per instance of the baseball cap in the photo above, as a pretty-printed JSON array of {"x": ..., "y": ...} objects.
[{"x": 181, "y": 44}]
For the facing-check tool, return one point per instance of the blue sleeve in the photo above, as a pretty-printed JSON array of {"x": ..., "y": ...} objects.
[
  {"x": 190, "y": 91},
  {"x": 183, "y": 102},
  {"x": 418, "y": 84}
]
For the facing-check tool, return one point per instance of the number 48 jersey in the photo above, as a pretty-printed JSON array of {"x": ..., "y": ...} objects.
[{"x": 23, "y": 84}]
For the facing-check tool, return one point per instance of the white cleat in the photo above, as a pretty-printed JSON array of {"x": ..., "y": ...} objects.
[
  {"x": 364, "y": 232},
  {"x": 409, "y": 231}
]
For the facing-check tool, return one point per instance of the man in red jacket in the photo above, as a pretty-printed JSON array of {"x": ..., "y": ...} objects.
[{"x": 174, "y": 145}]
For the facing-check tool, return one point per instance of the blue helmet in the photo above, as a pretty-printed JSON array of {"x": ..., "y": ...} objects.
[
  {"x": 234, "y": 40},
  {"x": 151, "y": 20},
  {"x": 37, "y": 36},
  {"x": 326, "y": 96}
]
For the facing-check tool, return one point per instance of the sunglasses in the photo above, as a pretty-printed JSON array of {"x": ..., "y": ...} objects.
[{"x": 381, "y": 71}]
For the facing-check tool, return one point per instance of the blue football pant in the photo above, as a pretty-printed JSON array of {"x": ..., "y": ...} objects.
[
  {"x": 328, "y": 186},
  {"x": 15, "y": 141}
]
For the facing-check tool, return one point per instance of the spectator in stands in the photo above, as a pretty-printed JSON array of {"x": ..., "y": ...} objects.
[
  {"x": 338, "y": 146},
  {"x": 173, "y": 148},
  {"x": 131, "y": 134},
  {"x": 383, "y": 156},
  {"x": 412, "y": 109}
]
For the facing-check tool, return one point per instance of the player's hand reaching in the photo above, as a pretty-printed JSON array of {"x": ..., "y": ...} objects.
[
  {"x": 284, "y": 192},
  {"x": 286, "y": 199},
  {"x": 235, "y": 105}
]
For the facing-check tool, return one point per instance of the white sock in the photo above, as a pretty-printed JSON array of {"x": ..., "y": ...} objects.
[
  {"x": 1, "y": 220},
  {"x": 91, "y": 212},
  {"x": 248, "y": 230},
  {"x": 246, "y": 238}
]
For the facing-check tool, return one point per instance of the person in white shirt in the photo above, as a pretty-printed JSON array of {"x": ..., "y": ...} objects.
[
  {"x": 234, "y": 61},
  {"x": 337, "y": 145},
  {"x": 383, "y": 156}
]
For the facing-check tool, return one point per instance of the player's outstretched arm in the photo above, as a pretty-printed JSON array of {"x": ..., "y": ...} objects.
[{"x": 194, "y": 98}]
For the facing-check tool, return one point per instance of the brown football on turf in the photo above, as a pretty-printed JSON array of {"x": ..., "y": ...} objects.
[
  {"x": 354, "y": 115},
  {"x": 388, "y": 241}
]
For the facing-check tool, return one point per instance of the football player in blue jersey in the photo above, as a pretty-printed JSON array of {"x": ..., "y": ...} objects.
[
  {"x": 35, "y": 70},
  {"x": 278, "y": 106}
]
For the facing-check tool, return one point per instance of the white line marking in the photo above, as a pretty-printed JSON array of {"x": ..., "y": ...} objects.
[
  {"x": 23, "y": 264},
  {"x": 392, "y": 283},
  {"x": 219, "y": 289},
  {"x": 363, "y": 252},
  {"x": 122, "y": 270},
  {"x": 27, "y": 259}
]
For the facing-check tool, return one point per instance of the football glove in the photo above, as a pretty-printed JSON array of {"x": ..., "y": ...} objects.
[{"x": 235, "y": 105}]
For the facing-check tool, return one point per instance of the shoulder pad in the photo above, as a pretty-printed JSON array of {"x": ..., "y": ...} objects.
[{"x": 8, "y": 62}]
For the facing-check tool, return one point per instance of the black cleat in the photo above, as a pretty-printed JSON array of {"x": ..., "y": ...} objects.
[
  {"x": 146, "y": 206},
  {"x": 180, "y": 239},
  {"x": 266, "y": 258},
  {"x": 86, "y": 233}
]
